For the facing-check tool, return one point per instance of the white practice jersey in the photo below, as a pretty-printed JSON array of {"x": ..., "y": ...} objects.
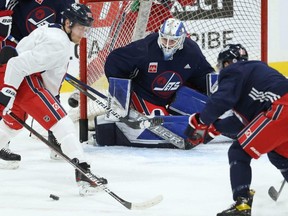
[{"x": 46, "y": 50}]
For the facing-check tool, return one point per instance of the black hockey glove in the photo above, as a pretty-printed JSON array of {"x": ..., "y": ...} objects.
[{"x": 5, "y": 24}]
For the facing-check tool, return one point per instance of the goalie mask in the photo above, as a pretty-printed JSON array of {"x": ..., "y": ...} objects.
[
  {"x": 231, "y": 54},
  {"x": 171, "y": 37}
]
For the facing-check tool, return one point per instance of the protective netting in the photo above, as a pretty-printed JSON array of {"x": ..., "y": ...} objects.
[{"x": 211, "y": 23}]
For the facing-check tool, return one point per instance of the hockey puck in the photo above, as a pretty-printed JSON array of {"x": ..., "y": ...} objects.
[
  {"x": 54, "y": 197},
  {"x": 73, "y": 103}
]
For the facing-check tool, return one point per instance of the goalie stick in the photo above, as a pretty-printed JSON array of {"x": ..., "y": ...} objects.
[
  {"x": 273, "y": 193},
  {"x": 142, "y": 121},
  {"x": 89, "y": 175}
]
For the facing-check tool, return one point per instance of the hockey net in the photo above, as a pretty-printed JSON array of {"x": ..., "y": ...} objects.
[{"x": 211, "y": 23}]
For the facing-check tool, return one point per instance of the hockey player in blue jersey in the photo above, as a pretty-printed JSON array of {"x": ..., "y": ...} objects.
[
  {"x": 160, "y": 69},
  {"x": 18, "y": 18},
  {"x": 258, "y": 94}
]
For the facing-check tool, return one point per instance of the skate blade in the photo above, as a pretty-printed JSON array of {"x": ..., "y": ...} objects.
[
  {"x": 85, "y": 189},
  {"x": 9, "y": 165}
]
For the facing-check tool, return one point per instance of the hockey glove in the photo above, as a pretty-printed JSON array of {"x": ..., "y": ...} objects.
[
  {"x": 211, "y": 134},
  {"x": 5, "y": 24},
  {"x": 7, "y": 97},
  {"x": 198, "y": 132}
]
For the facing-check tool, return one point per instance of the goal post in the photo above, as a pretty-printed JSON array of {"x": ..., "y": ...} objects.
[{"x": 211, "y": 23}]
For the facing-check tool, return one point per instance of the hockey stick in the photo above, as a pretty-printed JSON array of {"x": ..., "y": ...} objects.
[
  {"x": 142, "y": 120},
  {"x": 132, "y": 124},
  {"x": 273, "y": 193},
  {"x": 12, "y": 39},
  {"x": 138, "y": 124},
  {"x": 89, "y": 175}
]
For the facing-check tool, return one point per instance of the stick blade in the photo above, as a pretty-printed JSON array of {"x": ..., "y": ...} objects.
[
  {"x": 148, "y": 204},
  {"x": 273, "y": 193}
]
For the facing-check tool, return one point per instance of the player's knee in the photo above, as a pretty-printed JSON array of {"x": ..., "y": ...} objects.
[
  {"x": 63, "y": 127},
  {"x": 237, "y": 155}
]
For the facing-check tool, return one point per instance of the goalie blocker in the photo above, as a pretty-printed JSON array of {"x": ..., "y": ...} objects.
[{"x": 107, "y": 132}]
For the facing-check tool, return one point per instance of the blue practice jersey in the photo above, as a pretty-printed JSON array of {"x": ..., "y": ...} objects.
[
  {"x": 247, "y": 87},
  {"x": 31, "y": 14},
  {"x": 155, "y": 79}
]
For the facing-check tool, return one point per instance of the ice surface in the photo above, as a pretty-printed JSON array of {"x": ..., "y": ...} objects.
[{"x": 194, "y": 182}]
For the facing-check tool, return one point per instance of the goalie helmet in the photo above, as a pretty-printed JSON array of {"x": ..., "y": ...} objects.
[
  {"x": 78, "y": 13},
  {"x": 231, "y": 54},
  {"x": 171, "y": 37}
]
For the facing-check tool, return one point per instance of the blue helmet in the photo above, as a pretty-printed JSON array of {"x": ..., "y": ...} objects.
[{"x": 171, "y": 37}]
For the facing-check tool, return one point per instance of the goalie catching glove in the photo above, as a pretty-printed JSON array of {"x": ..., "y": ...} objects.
[
  {"x": 197, "y": 132},
  {"x": 5, "y": 24},
  {"x": 7, "y": 97}
]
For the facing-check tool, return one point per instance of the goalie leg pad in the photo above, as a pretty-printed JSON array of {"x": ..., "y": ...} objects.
[
  {"x": 104, "y": 131},
  {"x": 212, "y": 83},
  {"x": 107, "y": 133},
  {"x": 119, "y": 94},
  {"x": 117, "y": 133},
  {"x": 187, "y": 101}
]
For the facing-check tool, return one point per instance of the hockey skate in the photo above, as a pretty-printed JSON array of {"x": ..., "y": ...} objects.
[
  {"x": 242, "y": 206},
  {"x": 86, "y": 187},
  {"x": 8, "y": 159}
]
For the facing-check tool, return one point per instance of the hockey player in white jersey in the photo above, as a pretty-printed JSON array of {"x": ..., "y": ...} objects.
[
  {"x": 32, "y": 78},
  {"x": 17, "y": 20}
]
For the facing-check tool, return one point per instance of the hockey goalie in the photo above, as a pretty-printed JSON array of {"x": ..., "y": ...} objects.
[{"x": 164, "y": 74}]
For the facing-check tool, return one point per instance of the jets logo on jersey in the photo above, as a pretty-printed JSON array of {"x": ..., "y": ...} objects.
[
  {"x": 39, "y": 17},
  {"x": 166, "y": 84},
  {"x": 153, "y": 66}
]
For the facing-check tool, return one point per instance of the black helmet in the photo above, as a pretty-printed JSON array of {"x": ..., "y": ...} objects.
[
  {"x": 231, "y": 54},
  {"x": 78, "y": 13}
]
